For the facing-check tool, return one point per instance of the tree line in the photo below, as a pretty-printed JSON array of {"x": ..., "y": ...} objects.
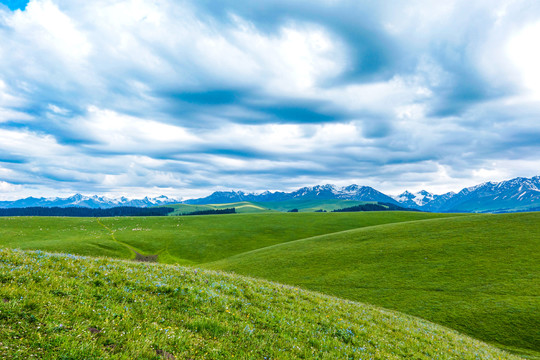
[
  {"x": 374, "y": 207},
  {"x": 86, "y": 212},
  {"x": 212, "y": 212}
]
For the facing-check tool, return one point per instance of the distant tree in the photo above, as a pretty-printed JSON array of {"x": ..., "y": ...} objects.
[
  {"x": 374, "y": 207},
  {"x": 293, "y": 210},
  {"x": 86, "y": 212},
  {"x": 212, "y": 212}
]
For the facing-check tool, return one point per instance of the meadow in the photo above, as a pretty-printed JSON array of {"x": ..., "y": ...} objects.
[
  {"x": 302, "y": 205},
  {"x": 477, "y": 274},
  {"x": 69, "y": 307},
  {"x": 182, "y": 239}
]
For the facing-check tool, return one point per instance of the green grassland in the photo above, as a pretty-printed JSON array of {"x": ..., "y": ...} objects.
[
  {"x": 312, "y": 205},
  {"x": 243, "y": 207},
  {"x": 179, "y": 239},
  {"x": 70, "y": 307},
  {"x": 82, "y": 236},
  {"x": 248, "y": 207},
  {"x": 478, "y": 274}
]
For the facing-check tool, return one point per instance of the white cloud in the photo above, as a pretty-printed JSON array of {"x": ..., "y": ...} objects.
[
  {"x": 295, "y": 60},
  {"x": 7, "y": 188},
  {"x": 29, "y": 144},
  {"x": 116, "y": 132},
  {"x": 8, "y": 104},
  {"x": 47, "y": 27},
  {"x": 93, "y": 94},
  {"x": 58, "y": 110},
  {"x": 44, "y": 45},
  {"x": 525, "y": 55}
]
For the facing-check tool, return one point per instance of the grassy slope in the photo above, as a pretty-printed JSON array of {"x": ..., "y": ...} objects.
[
  {"x": 186, "y": 240},
  {"x": 283, "y": 206},
  {"x": 312, "y": 205},
  {"x": 508, "y": 317},
  {"x": 83, "y": 236},
  {"x": 66, "y": 307},
  {"x": 243, "y": 207},
  {"x": 479, "y": 274},
  {"x": 200, "y": 239}
]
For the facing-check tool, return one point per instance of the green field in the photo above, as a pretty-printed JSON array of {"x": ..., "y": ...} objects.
[
  {"x": 68, "y": 307},
  {"x": 312, "y": 205},
  {"x": 243, "y": 207},
  {"x": 183, "y": 239},
  {"x": 247, "y": 207},
  {"x": 478, "y": 274}
]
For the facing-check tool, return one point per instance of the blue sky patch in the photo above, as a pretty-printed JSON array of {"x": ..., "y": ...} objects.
[{"x": 15, "y": 4}]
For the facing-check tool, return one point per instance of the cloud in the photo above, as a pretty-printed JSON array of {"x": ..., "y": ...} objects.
[
  {"x": 187, "y": 97},
  {"x": 525, "y": 58}
]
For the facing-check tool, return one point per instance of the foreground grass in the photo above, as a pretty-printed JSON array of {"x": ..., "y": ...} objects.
[
  {"x": 477, "y": 274},
  {"x": 69, "y": 307}
]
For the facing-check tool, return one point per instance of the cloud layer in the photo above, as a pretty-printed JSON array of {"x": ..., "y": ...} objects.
[{"x": 137, "y": 97}]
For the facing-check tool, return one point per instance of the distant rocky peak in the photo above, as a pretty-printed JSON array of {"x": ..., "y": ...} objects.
[{"x": 406, "y": 194}]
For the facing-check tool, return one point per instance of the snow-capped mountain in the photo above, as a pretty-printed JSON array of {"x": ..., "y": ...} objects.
[
  {"x": 87, "y": 201},
  {"x": 423, "y": 200},
  {"x": 414, "y": 199},
  {"x": 512, "y": 195},
  {"x": 517, "y": 194},
  {"x": 363, "y": 193},
  {"x": 319, "y": 192}
]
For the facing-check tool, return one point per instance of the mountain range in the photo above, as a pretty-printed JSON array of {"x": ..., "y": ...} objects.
[
  {"x": 319, "y": 192},
  {"x": 93, "y": 202},
  {"x": 519, "y": 194}
]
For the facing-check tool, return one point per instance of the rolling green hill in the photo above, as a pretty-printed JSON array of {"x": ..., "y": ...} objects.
[
  {"x": 69, "y": 307},
  {"x": 81, "y": 236},
  {"x": 477, "y": 274},
  {"x": 244, "y": 207},
  {"x": 302, "y": 205},
  {"x": 182, "y": 240}
]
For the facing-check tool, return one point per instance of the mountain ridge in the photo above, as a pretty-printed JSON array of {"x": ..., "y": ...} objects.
[
  {"x": 319, "y": 192},
  {"x": 517, "y": 194},
  {"x": 93, "y": 202}
]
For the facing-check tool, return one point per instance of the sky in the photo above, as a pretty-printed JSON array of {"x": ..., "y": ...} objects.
[{"x": 182, "y": 98}]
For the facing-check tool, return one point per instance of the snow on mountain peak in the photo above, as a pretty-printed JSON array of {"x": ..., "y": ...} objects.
[
  {"x": 419, "y": 198},
  {"x": 93, "y": 201}
]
